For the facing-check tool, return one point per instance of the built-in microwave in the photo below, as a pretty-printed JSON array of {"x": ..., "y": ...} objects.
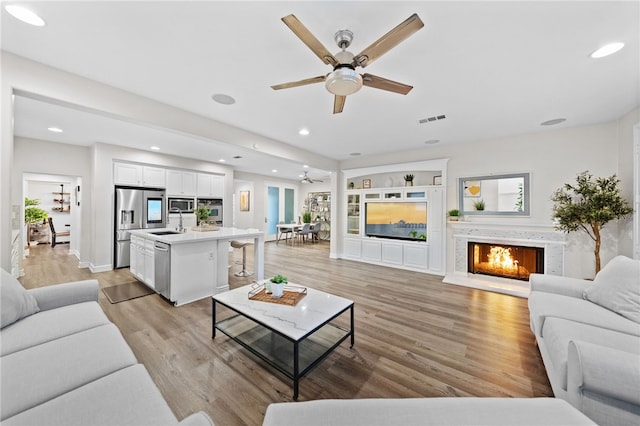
[{"x": 186, "y": 205}]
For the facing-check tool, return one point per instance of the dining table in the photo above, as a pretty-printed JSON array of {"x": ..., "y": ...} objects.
[{"x": 287, "y": 228}]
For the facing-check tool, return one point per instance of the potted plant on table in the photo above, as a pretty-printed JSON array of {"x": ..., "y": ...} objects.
[
  {"x": 306, "y": 217},
  {"x": 453, "y": 214},
  {"x": 33, "y": 214},
  {"x": 277, "y": 285}
]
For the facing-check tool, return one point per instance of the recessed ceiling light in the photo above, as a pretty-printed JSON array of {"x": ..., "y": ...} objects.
[
  {"x": 54, "y": 129},
  {"x": 553, "y": 122},
  {"x": 255, "y": 146},
  {"x": 607, "y": 50},
  {"x": 306, "y": 166},
  {"x": 432, "y": 141},
  {"x": 25, "y": 15},
  {"x": 354, "y": 154},
  {"x": 223, "y": 99},
  {"x": 274, "y": 171},
  {"x": 304, "y": 132},
  {"x": 222, "y": 160},
  {"x": 154, "y": 148}
]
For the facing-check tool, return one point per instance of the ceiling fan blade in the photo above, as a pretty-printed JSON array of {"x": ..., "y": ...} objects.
[
  {"x": 318, "y": 79},
  {"x": 388, "y": 41},
  {"x": 338, "y": 104},
  {"x": 310, "y": 40},
  {"x": 376, "y": 82}
]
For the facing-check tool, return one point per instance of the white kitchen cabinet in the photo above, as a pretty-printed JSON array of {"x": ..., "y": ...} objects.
[
  {"x": 138, "y": 175},
  {"x": 154, "y": 177},
  {"x": 133, "y": 255},
  {"x": 181, "y": 183},
  {"x": 210, "y": 186},
  {"x": 127, "y": 174},
  {"x": 149, "y": 265}
]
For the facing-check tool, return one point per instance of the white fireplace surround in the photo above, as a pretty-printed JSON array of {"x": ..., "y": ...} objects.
[{"x": 506, "y": 233}]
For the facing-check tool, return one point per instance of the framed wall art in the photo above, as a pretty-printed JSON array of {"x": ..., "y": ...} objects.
[{"x": 244, "y": 201}]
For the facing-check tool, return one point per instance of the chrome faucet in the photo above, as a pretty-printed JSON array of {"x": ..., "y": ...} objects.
[{"x": 180, "y": 227}]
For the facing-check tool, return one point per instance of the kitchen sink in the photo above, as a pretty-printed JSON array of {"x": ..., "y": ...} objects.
[{"x": 165, "y": 232}]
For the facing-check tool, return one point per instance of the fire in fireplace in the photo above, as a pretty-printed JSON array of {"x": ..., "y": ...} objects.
[{"x": 506, "y": 261}]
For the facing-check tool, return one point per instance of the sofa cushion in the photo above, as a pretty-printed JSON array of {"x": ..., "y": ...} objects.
[
  {"x": 126, "y": 397},
  {"x": 426, "y": 411},
  {"x": 38, "y": 374},
  {"x": 51, "y": 325},
  {"x": 617, "y": 288},
  {"x": 16, "y": 302},
  {"x": 559, "y": 332},
  {"x": 543, "y": 305}
]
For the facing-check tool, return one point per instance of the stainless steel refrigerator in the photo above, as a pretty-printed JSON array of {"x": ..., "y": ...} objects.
[{"x": 135, "y": 208}]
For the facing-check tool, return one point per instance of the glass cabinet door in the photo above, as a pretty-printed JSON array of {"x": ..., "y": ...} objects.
[{"x": 353, "y": 214}]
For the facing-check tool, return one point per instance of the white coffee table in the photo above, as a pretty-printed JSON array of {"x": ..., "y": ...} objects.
[{"x": 292, "y": 339}]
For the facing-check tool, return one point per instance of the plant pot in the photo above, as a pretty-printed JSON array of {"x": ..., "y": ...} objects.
[
  {"x": 277, "y": 289},
  {"x": 453, "y": 218},
  {"x": 408, "y": 183}
]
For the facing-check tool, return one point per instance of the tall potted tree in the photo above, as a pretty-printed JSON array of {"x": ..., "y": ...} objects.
[{"x": 588, "y": 205}]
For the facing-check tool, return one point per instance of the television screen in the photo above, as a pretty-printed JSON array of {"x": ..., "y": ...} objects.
[{"x": 398, "y": 220}]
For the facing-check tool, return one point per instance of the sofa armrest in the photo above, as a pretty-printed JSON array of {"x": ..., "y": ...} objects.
[
  {"x": 197, "y": 419},
  {"x": 56, "y": 296},
  {"x": 565, "y": 286},
  {"x": 600, "y": 370}
]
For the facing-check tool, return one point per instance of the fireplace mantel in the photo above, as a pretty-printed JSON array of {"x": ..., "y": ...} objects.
[{"x": 532, "y": 235}]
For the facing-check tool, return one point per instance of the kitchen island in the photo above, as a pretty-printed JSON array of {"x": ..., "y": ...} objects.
[{"x": 188, "y": 266}]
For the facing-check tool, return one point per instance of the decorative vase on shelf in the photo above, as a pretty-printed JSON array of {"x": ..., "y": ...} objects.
[{"x": 408, "y": 183}]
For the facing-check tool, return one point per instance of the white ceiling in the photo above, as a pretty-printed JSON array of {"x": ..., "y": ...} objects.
[{"x": 493, "y": 68}]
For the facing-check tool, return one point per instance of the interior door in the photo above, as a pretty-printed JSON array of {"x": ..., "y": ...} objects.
[{"x": 273, "y": 212}]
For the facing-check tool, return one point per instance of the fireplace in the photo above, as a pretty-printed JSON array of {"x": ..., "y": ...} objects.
[{"x": 502, "y": 260}]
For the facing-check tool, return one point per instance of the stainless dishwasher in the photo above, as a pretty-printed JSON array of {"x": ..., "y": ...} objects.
[{"x": 162, "y": 260}]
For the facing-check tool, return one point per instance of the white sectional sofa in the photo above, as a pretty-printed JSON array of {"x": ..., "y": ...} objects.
[
  {"x": 588, "y": 333},
  {"x": 64, "y": 363},
  {"x": 426, "y": 411}
]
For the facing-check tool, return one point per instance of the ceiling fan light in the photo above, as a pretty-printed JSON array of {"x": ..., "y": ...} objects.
[{"x": 343, "y": 81}]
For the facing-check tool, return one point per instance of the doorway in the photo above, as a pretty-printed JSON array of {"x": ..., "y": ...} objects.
[{"x": 280, "y": 207}]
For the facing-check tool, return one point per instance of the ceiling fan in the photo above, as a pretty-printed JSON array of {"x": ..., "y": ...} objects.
[
  {"x": 344, "y": 80},
  {"x": 307, "y": 179}
]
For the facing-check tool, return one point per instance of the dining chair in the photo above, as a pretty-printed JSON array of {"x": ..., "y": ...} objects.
[
  {"x": 306, "y": 230},
  {"x": 287, "y": 232},
  {"x": 55, "y": 235},
  {"x": 314, "y": 231}
]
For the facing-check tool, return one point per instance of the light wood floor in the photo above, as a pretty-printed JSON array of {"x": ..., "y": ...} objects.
[{"x": 415, "y": 337}]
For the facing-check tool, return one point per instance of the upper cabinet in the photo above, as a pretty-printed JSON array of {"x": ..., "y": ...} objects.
[
  {"x": 209, "y": 185},
  {"x": 180, "y": 182},
  {"x": 138, "y": 175}
]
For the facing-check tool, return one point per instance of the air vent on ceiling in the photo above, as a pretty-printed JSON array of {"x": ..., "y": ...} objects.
[
  {"x": 237, "y": 157},
  {"x": 434, "y": 118}
]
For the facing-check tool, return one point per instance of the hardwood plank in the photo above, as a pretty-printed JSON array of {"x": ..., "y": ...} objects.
[{"x": 415, "y": 337}]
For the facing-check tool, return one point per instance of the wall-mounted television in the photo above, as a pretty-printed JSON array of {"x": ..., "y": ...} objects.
[{"x": 398, "y": 220}]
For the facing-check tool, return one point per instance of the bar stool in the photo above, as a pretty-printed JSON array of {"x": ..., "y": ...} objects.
[{"x": 243, "y": 245}]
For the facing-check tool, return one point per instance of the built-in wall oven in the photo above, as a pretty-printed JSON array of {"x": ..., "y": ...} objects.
[
  {"x": 215, "y": 208},
  {"x": 186, "y": 205}
]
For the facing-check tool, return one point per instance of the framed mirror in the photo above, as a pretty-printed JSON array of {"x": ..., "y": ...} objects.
[{"x": 504, "y": 195}]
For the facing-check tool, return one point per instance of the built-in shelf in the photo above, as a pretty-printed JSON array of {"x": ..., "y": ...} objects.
[{"x": 63, "y": 200}]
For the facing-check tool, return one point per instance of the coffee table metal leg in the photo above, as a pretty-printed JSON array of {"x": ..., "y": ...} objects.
[
  {"x": 353, "y": 331},
  {"x": 213, "y": 318},
  {"x": 296, "y": 371}
]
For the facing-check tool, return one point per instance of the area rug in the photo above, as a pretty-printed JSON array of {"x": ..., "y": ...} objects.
[{"x": 122, "y": 292}]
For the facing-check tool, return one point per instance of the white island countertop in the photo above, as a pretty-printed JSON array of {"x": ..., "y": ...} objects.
[{"x": 223, "y": 233}]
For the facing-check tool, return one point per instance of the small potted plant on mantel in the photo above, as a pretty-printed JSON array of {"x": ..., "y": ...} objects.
[
  {"x": 408, "y": 179},
  {"x": 453, "y": 214}
]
